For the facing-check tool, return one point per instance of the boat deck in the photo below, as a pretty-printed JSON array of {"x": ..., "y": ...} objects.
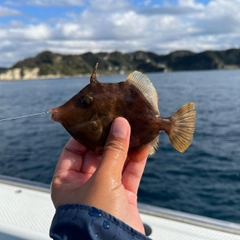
[{"x": 26, "y": 212}]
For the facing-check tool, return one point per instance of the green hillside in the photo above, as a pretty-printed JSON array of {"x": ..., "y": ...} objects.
[{"x": 50, "y": 63}]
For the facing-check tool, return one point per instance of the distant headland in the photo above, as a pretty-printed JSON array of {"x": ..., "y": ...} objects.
[{"x": 53, "y": 65}]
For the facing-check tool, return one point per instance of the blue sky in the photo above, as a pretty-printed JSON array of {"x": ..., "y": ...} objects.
[{"x": 28, "y": 27}]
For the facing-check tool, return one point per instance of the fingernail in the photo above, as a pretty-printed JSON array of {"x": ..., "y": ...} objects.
[{"x": 118, "y": 129}]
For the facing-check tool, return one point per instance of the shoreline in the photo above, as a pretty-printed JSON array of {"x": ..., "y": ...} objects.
[{"x": 10, "y": 75}]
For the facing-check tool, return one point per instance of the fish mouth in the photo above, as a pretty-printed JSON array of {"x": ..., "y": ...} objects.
[{"x": 55, "y": 114}]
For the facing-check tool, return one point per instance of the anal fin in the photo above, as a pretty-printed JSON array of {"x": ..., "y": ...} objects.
[{"x": 154, "y": 145}]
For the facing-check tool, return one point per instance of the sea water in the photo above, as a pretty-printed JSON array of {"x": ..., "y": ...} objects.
[{"x": 204, "y": 180}]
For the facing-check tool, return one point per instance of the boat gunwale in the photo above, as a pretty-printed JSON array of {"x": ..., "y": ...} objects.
[
  {"x": 174, "y": 215},
  {"x": 189, "y": 218},
  {"x": 24, "y": 183}
]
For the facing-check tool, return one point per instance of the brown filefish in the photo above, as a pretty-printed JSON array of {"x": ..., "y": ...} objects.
[{"x": 88, "y": 115}]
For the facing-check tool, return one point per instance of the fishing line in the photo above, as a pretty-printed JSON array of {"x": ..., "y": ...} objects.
[{"x": 28, "y": 115}]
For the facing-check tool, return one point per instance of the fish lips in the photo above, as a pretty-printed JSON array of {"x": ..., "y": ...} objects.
[{"x": 55, "y": 114}]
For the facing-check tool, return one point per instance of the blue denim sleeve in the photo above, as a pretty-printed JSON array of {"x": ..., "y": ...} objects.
[{"x": 77, "y": 221}]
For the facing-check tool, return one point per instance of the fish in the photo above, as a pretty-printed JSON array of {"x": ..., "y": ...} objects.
[{"x": 88, "y": 115}]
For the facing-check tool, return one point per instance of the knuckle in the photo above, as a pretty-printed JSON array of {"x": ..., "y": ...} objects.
[{"x": 116, "y": 146}]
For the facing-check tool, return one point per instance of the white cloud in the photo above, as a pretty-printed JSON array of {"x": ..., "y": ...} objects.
[
  {"x": 73, "y": 31},
  {"x": 39, "y": 32},
  {"x": 189, "y": 3},
  {"x": 109, "y": 5},
  {"x": 116, "y": 25},
  {"x": 47, "y": 2},
  {"x": 219, "y": 17},
  {"x": 29, "y": 33},
  {"x": 4, "y": 11}
]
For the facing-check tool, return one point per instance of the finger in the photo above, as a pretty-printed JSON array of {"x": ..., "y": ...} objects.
[
  {"x": 116, "y": 149},
  {"x": 90, "y": 163},
  {"x": 75, "y": 157},
  {"x": 72, "y": 151},
  {"x": 134, "y": 168}
]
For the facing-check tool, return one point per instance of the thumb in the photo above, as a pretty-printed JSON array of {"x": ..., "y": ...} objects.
[{"x": 116, "y": 149}]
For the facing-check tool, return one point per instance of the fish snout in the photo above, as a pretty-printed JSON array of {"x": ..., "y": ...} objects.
[{"x": 55, "y": 114}]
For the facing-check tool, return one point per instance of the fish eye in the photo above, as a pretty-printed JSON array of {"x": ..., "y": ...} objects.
[{"x": 86, "y": 100}]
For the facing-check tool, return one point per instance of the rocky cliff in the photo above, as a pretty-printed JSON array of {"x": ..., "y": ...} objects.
[{"x": 48, "y": 64}]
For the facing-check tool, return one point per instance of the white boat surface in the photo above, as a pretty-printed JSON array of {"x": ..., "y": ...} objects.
[{"x": 26, "y": 212}]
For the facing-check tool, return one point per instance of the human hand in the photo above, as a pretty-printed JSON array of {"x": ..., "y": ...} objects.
[{"x": 108, "y": 182}]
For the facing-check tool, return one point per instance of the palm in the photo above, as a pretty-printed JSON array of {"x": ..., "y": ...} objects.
[{"x": 81, "y": 177}]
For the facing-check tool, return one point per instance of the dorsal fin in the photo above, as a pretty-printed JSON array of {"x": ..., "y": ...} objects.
[
  {"x": 93, "y": 78},
  {"x": 143, "y": 83}
]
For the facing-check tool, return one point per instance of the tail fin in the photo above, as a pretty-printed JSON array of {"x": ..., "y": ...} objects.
[{"x": 183, "y": 126}]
